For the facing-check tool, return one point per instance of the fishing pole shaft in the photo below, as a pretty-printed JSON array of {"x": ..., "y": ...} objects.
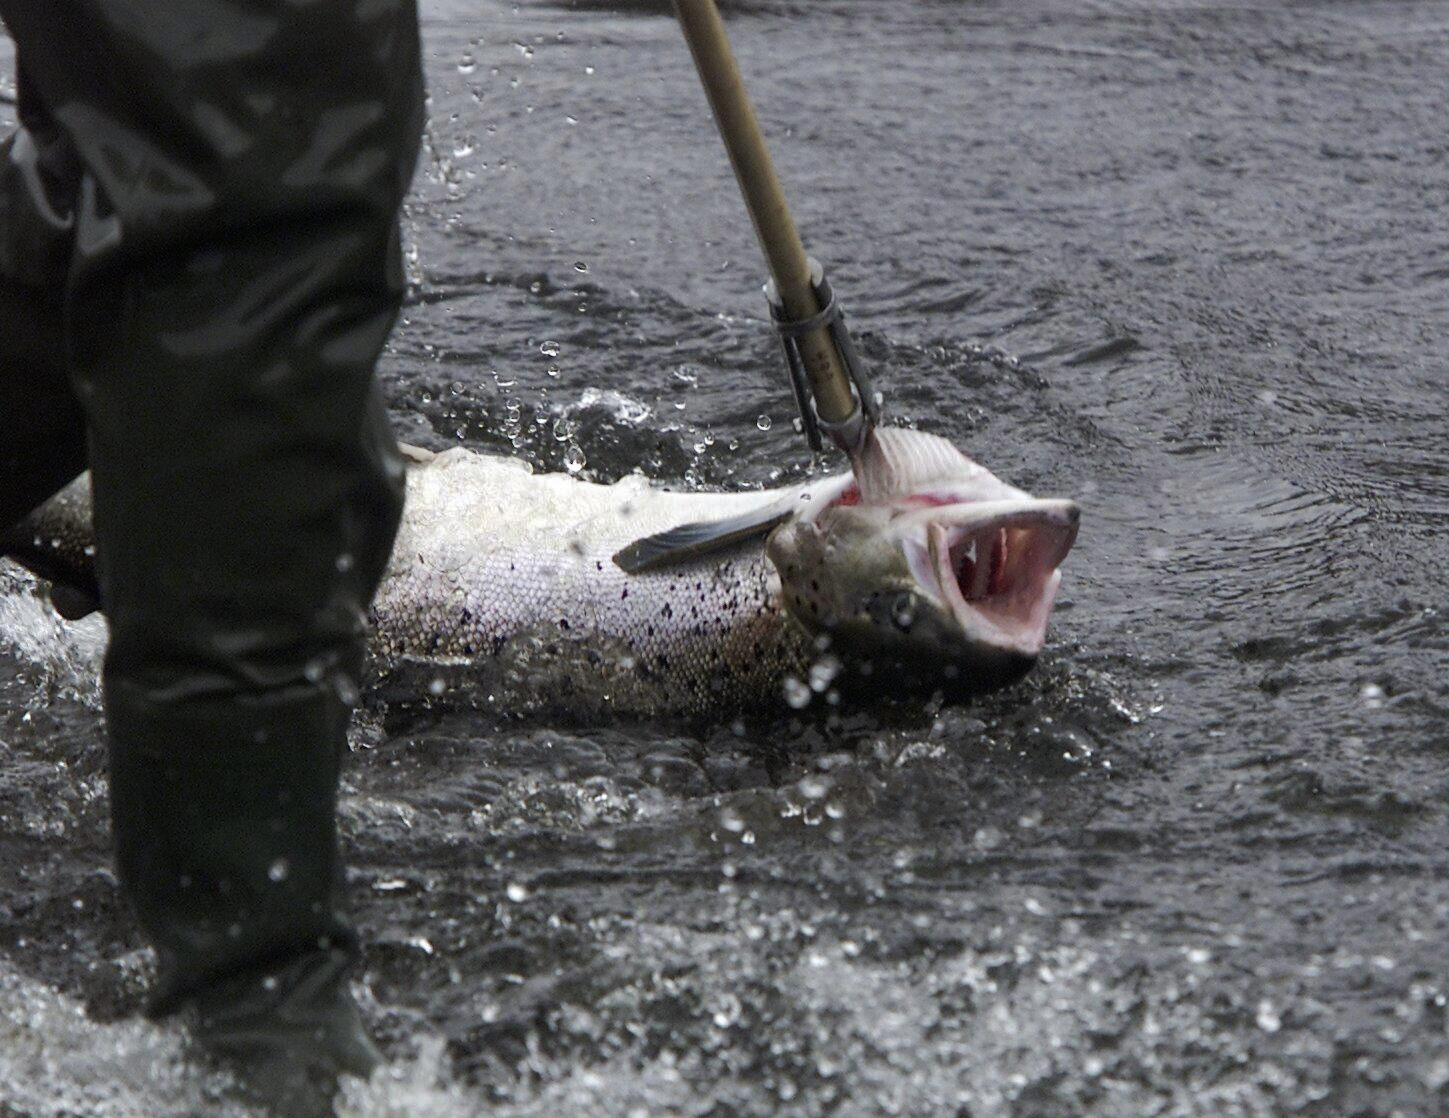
[{"x": 814, "y": 351}]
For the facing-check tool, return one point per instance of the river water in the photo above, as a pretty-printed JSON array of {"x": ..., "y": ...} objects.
[{"x": 1185, "y": 263}]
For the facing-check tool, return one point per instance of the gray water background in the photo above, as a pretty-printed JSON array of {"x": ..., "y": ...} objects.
[{"x": 1188, "y": 264}]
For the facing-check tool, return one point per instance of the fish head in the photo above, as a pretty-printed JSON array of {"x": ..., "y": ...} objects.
[{"x": 925, "y": 563}]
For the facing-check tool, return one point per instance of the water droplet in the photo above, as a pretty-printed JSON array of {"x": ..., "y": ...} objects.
[
  {"x": 797, "y": 694},
  {"x": 436, "y": 686},
  {"x": 988, "y": 838},
  {"x": 314, "y": 671},
  {"x": 816, "y": 786},
  {"x": 467, "y": 64},
  {"x": 1268, "y": 1018},
  {"x": 345, "y": 562},
  {"x": 589, "y": 70},
  {"x": 580, "y": 266},
  {"x": 517, "y": 892},
  {"x": 277, "y": 871},
  {"x": 764, "y": 423},
  {"x": 823, "y": 673},
  {"x": 574, "y": 460},
  {"x": 346, "y": 689},
  {"x": 464, "y": 147},
  {"x": 731, "y": 820},
  {"x": 549, "y": 349},
  {"x": 1372, "y": 696}
]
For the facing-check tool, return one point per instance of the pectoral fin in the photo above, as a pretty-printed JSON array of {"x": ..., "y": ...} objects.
[{"x": 690, "y": 541}]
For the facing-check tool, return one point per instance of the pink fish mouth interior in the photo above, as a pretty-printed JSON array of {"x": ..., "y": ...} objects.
[{"x": 996, "y": 568}]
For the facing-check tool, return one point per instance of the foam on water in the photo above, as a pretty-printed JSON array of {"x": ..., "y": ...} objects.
[
  {"x": 55, "y": 1062},
  {"x": 67, "y": 654}
]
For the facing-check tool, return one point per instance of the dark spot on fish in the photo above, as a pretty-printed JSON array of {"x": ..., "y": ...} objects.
[{"x": 563, "y": 623}]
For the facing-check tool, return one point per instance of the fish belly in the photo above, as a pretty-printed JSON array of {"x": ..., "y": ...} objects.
[{"x": 502, "y": 585}]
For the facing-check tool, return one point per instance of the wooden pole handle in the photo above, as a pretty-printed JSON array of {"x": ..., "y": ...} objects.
[{"x": 765, "y": 200}]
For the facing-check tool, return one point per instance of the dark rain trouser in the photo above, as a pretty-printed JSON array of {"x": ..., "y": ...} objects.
[{"x": 199, "y": 266}]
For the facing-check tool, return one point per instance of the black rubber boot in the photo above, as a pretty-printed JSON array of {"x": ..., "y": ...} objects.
[
  {"x": 228, "y": 851},
  {"x": 288, "y": 1036},
  {"x": 217, "y": 270}
]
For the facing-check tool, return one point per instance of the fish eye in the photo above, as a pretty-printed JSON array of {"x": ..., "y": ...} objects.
[{"x": 903, "y": 610}]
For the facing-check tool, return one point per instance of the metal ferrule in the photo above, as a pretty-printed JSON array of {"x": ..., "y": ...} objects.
[{"x": 850, "y": 433}]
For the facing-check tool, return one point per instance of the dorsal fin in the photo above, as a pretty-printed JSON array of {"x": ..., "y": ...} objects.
[
  {"x": 898, "y": 461},
  {"x": 689, "y": 541}
]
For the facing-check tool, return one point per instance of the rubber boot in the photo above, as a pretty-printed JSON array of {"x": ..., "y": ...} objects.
[
  {"x": 229, "y": 853},
  {"x": 231, "y": 275}
]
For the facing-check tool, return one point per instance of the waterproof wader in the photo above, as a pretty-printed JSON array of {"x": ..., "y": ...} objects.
[{"x": 199, "y": 265}]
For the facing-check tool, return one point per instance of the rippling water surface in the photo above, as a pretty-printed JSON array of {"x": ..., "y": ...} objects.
[{"x": 1185, "y": 263}]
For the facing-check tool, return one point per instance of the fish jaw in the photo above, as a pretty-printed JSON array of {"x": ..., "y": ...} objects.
[{"x": 995, "y": 566}]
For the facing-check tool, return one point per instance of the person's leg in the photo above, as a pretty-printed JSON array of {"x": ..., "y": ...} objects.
[
  {"x": 42, "y": 429},
  {"x": 236, "y": 274}
]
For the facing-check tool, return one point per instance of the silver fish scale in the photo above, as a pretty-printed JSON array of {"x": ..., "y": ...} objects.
[{"x": 503, "y": 581}]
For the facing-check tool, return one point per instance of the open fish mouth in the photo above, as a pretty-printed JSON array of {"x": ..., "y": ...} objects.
[{"x": 994, "y": 565}]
